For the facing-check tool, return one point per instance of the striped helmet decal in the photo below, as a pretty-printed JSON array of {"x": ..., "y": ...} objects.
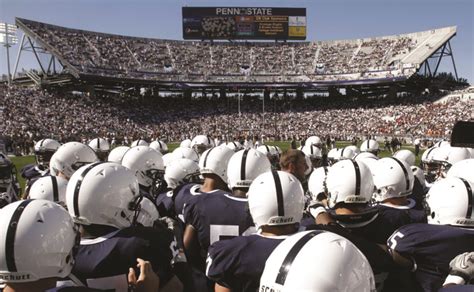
[
  {"x": 77, "y": 188},
  {"x": 10, "y": 236},
  {"x": 290, "y": 257},
  {"x": 279, "y": 193}
]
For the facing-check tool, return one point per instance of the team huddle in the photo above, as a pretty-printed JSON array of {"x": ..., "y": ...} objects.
[{"x": 237, "y": 217}]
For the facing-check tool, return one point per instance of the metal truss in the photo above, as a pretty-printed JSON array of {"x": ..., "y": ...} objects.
[
  {"x": 51, "y": 67},
  {"x": 444, "y": 51}
]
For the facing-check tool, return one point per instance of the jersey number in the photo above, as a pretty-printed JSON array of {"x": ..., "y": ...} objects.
[
  {"x": 393, "y": 239},
  {"x": 219, "y": 232}
]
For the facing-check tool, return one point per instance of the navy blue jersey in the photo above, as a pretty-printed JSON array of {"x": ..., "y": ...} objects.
[
  {"x": 217, "y": 216},
  {"x": 400, "y": 216},
  {"x": 30, "y": 171},
  {"x": 431, "y": 247},
  {"x": 371, "y": 224},
  {"x": 458, "y": 288},
  {"x": 238, "y": 263},
  {"x": 104, "y": 262},
  {"x": 172, "y": 202}
]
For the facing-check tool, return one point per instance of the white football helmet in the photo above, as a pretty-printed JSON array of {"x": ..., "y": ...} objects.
[
  {"x": 234, "y": 146},
  {"x": 441, "y": 143},
  {"x": 39, "y": 241},
  {"x": 44, "y": 149},
  {"x": 314, "y": 140},
  {"x": 159, "y": 146},
  {"x": 349, "y": 182},
  {"x": 370, "y": 145},
  {"x": 148, "y": 213},
  {"x": 405, "y": 155},
  {"x": 347, "y": 153},
  {"x": 332, "y": 155},
  {"x": 168, "y": 158},
  {"x": 317, "y": 183},
  {"x": 139, "y": 142},
  {"x": 336, "y": 265},
  {"x": 104, "y": 193},
  {"x": 101, "y": 148},
  {"x": 214, "y": 161},
  {"x": 182, "y": 171},
  {"x": 455, "y": 210},
  {"x": 51, "y": 188},
  {"x": 393, "y": 178},
  {"x": 354, "y": 149},
  {"x": 430, "y": 168},
  {"x": 117, "y": 154},
  {"x": 201, "y": 143},
  {"x": 189, "y": 153},
  {"x": 276, "y": 198},
  {"x": 314, "y": 154},
  {"x": 463, "y": 169},
  {"x": 70, "y": 157},
  {"x": 146, "y": 163},
  {"x": 244, "y": 166},
  {"x": 446, "y": 156},
  {"x": 185, "y": 143}
]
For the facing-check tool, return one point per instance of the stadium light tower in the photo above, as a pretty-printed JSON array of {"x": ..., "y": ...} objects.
[{"x": 7, "y": 39}]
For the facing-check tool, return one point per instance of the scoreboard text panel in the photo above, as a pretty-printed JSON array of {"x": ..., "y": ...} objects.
[{"x": 263, "y": 23}]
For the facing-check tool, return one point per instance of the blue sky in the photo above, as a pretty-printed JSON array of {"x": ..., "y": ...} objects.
[{"x": 326, "y": 19}]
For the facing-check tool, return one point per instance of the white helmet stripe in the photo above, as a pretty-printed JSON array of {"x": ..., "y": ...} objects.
[
  {"x": 405, "y": 172},
  {"x": 279, "y": 193},
  {"x": 10, "y": 236},
  {"x": 470, "y": 198},
  {"x": 290, "y": 257},
  {"x": 243, "y": 164},
  {"x": 75, "y": 201}
]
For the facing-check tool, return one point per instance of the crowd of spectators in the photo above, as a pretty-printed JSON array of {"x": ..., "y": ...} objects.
[
  {"x": 30, "y": 114},
  {"x": 167, "y": 60}
]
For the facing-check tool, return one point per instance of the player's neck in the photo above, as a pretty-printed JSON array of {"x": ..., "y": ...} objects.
[
  {"x": 239, "y": 193},
  {"x": 37, "y": 286},
  {"x": 279, "y": 230},
  {"x": 211, "y": 184}
]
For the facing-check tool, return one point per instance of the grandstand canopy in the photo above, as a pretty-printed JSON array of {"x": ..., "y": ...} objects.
[{"x": 100, "y": 58}]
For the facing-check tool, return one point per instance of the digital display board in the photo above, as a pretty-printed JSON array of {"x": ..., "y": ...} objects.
[{"x": 265, "y": 23}]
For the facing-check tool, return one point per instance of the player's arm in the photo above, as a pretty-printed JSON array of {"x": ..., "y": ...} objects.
[
  {"x": 401, "y": 260},
  {"x": 192, "y": 247},
  {"x": 219, "y": 288}
]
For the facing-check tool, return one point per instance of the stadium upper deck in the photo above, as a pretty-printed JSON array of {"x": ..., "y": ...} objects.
[{"x": 342, "y": 62}]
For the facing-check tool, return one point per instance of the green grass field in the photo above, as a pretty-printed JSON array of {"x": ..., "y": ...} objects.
[{"x": 21, "y": 161}]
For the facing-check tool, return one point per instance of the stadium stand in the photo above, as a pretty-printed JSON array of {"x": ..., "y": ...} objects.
[
  {"x": 92, "y": 53},
  {"x": 70, "y": 117}
]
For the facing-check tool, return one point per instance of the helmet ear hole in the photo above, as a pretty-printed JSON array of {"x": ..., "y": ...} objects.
[{"x": 433, "y": 215}]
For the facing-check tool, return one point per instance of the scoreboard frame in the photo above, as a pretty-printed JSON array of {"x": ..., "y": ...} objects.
[{"x": 244, "y": 23}]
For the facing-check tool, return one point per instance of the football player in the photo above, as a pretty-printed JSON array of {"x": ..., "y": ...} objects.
[
  {"x": 104, "y": 199},
  {"x": 44, "y": 150},
  {"x": 427, "y": 249},
  {"x": 276, "y": 205}
]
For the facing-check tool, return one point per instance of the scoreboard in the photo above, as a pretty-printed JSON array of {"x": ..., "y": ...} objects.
[{"x": 264, "y": 23}]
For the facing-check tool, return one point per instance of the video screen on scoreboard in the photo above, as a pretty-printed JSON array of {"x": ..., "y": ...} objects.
[{"x": 264, "y": 23}]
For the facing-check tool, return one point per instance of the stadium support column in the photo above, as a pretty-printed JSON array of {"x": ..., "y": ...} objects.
[
  {"x": 222, "y": 93},
  {"x": 187, "y": 94},
  {"x": 299, "y": 93}
]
